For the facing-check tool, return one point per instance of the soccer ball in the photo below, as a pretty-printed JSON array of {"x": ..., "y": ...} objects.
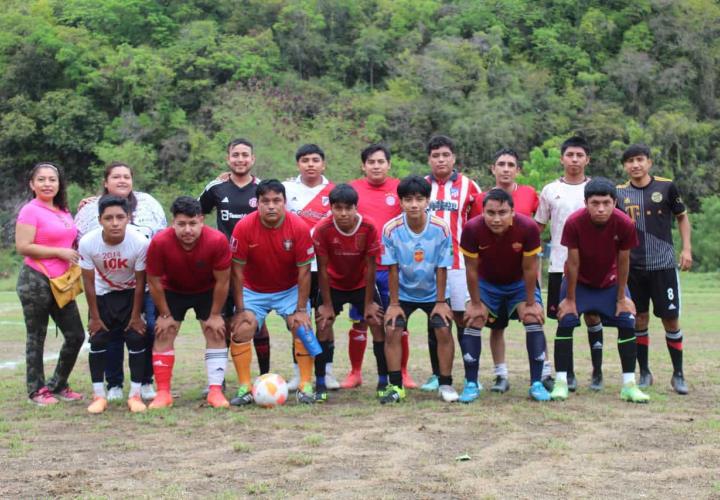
[{"x": 270, "y": 390}]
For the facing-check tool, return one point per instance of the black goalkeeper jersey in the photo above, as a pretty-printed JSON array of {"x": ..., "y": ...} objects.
[
  {"x": 231, "y": 202},
  {"x": 653, "y": 209}
]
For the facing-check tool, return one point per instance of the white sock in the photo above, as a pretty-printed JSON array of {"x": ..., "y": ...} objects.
[
  {"x": 99, "y": 389},
  {"x": 296, "y": 371},
  {"x": 628, "y": 377},
  {"x": 501, "y": 370},
  {"x": 216, "y": 362},
  {"x": 134, "y": 389},
  {"x": 561, "y": 377},
  {"x": 547, "y": 369},
  {"x": 328, "y": 368}
]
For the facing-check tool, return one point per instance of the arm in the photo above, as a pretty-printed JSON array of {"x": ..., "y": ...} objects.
[
  {"x": 300, "y": 317},
  {"x": 572, "y": 267},
  {"x": 95, "y": 324},
  {"x": 325, "y": 312},
  {"x": 441, "y": 308},
  {"x": 541, "y": 227},
  {"x": 136, "y": 321},
  {"x": 476, "y": 312},
  {"x": 373, "y": 310},
  {"x": 684, "y": 229},
  {"x": 624, "y": 304},
  {"x": 164, "y": 322},
  {"x": 394, "y": 310},
  {"x": 24, "y": 237}
]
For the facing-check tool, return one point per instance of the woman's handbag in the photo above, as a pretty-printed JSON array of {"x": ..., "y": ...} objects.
[{"x": 65, "y": 287}]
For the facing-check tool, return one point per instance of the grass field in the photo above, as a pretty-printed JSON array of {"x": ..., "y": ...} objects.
[{"x": 592, "y": 445}]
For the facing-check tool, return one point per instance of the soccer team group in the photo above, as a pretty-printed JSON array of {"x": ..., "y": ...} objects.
[{"x": 386, "y": 247}]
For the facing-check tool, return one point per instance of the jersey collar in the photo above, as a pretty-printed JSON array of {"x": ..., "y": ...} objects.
[
  {"x": 453, "y": 177},
  {"x": 298, "y": 179}
]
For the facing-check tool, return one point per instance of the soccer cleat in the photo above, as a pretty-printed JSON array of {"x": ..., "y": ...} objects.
[
  {"x": 216, "y": 398},
  {"x": 305, "y": 396},
  {"x": 646, "y": 379},
  {"x": 293, "y": 383},
  {"x": 502, "y": 384},
  {"x": 596, "y": 384},
  {"x": 331, "y": 382},
  {"x": 560, "y": 392},
  {"x": 243, "y": 397},
  {"x": 353, "y": 379},
  {"x": 163, "y": 399},
  {"x": 408, "y": 382},
  {"x": 321, "y": 394},
  {"x": 136, "y": 405},
  {"x": 99, "y": 404},
  {"x": 632, "y": 393},
  {"x": 147, "y": 392},
  {"x": 548, "y": 382},
  {"x": 393, "y": 394},
  {"x": 571, "y": 382},
  {"x": 431, "y": 385},
  {"x": 115, "y": 394},
  {"x": 448, "y": 393},
  {"x": 471, "y": 391},
  {"x": 538, "y": 392},
  {"x": 381, "y": 389},
  {"x": 206, "y": 391},
  {"x": 678, "y": 383},
  {"x": 68, "y": 394},
  {"x": 43, "y": 397}
]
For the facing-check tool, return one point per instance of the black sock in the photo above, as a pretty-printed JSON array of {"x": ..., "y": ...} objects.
[
  {"x": 564, "y": 348},
  {"x": 595, "y": 339},
  {"x": 536, "y": 346},
  {"x": 396, "y": 378},
  {"x": 674, "y": 345},
  {"x": 379, "y": 351},
  {"x": 445, "y": 379},
  {"x": 330, "y": 355},
  {"x": 627, "y": 347},
  {"x": 643, "y": 349},
  {"x": 96, "y": 359},
  {"x": 321, "y": 359},
  {"x": 432, "y": 349},
  {"x": 262, "y": 349},
  {"x": 460, "y": 332}
]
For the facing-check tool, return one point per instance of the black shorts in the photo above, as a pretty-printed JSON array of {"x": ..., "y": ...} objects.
[
  {"x": 115, "y": 309},
  {"x": 553, "y": 294},
  {"x": 355, "y": 298},
  {"x": 662, "y": 287},
  {"x": 229, "y": 308},
  {"x": 179, "y": 303},
  {"x": 314, "y": 290},
  {"x": 427, "y": 307}
]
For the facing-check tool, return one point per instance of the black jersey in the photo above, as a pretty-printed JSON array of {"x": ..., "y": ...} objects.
[
  {"x": 231, "y": 202},
  {"x": 652, "y": 208}
]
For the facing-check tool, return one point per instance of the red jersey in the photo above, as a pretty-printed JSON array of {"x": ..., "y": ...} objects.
[
  {"x": 599, "y": 245},
  {"x": 525, "y": 201},
  {"x": 501, "y": 255},
  {"x": 379, "y": 202},
  {"x": 452, "y": 201},
  {"x": 347, "y": 252},
  {"x": 188, "y": 271},
  {"x": 271, "y": 255}
]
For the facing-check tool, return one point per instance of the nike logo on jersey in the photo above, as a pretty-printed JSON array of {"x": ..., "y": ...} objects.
[
  {"x": 484, "y": 247},
  {"x": 253, "y": 245}
]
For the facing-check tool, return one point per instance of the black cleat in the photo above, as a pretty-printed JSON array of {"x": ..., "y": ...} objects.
[
  {"x": 678, "y": 383},
  {"x": 596, "y": 384},
  {"x": 572, "y": 382},
  {"x": 549, "y": 383},
  {"x": 501, "y": 384},
  {"x": 646, "y": 379}
]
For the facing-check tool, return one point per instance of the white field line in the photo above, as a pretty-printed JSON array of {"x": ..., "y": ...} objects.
[{"x": 11, "y": 365}]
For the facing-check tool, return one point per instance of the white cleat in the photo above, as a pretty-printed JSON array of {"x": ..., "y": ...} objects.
[
  {"x": 115, "y": 394},
  {"x": 147, "y": 392},
  {"x": 331, "y": 382},
  {"x": 448, "y": 393}
]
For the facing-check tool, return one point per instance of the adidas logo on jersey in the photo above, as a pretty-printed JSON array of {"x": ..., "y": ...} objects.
[{"x": 225, "y": 200}]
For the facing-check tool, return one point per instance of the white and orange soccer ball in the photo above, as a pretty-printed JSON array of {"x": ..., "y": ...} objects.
[{"x": 270, "y": 390}]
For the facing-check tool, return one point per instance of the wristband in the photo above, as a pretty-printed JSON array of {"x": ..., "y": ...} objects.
[{"x": 395, "y": 304}]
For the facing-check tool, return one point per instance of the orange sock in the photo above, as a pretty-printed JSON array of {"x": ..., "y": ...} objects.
[
  {"x": 162, "y": 368},
  {"x": 305, "y": 362},
  {"x": 242, "y": 359}
]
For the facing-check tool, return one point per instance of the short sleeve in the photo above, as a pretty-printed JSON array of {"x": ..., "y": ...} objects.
[
  {"x": 85, "y": 255},
  {"x": 304, "y": 250},
  {"x": 141, "y": 261},
  {"x": 446, "y": 251},
  {"x": 677, "y": 206},
  {"x": 389, "y": 256},
  {"x": 207, "y": 199},
  {"x": 87, "y": 218},
  {"x": 223, "y": 257},
  {"x": 628, "y": 234},
  {"x": 531, "y": 244},
  {"x": 154, "y": 265},
  {"x": 536, "y": 201},
  {"x": 28, "y": 215},
  {"x": 468, "y": 240},
  {"x": 570, "y": 237},
  {"x": 372, "y": 245},
  {"x": 542, "y": 214},
  {"x": 238, "y": 241},
  {"x": 477, "y": 207},
  {"x": 319, "y": 241}
]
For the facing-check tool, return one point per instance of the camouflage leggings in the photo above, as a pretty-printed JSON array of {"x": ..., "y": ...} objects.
[{"x": 39, "y": 305}]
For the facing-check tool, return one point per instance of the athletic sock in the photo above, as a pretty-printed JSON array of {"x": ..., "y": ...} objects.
[
  {"x": 262, "y": 349},
  {"x": 563, "y": 349},
  {"x": 444, "y": 379},
  {"x": 396, "y": 378},
  {"x": 242, "y": 359},
  {"x": 382, "y": 369},
  {"x": 405, "y": 342},
  {"x": 330, "y": 355},
  {"x": 547, "y": 367},
  {"x": 595, "y": 339},
  {"x": 321, "y": 362},
  {"x": 675, "y": 348},
  {"x": 134, "y": 389},
  {"x": 432, "y": 349},
  {"x": 305, "y": 363},
  {"x": 99, "y": 389},
  {"x": 162, "y": 368},
  {"x": 357, "y": 342},
  {"x": 561, "y": 377},
  {"x": 96, "y": 360},
  {"x": 643, "y": 348},
  {"x": 216, "y": 363},
  {"x": 628, "y": 378},
  {"x": 535, "y": 343},
  {"x": 136, "y": 363},
  {"x": 501, "y": 370},
  {"x": 460, "y": 330},
  {"x": 627, "y": 347},
  {"x": 471, "y": 348}
]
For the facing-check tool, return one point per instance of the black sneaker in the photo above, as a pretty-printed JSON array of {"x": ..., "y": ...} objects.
[
  {"x": 596, "y": 384},
  {"x": 572, "y": 382},
  {"x": 678, "y": 383},
  {"x": 501, "y": 384},
  {"x": 393, "y": 394},
  {"x": 321, "y": 394},
  {"x": 306, "y": 396},
  {"x": 243, "y": 397},
  {"x": 549, "y": 383},
  {"x": 646, "y": 379}
]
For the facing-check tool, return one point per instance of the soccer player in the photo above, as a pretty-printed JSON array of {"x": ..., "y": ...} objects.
[
  {"x": 558, "y": 200},
  {"x": 272, "y": 251},
  {"x": 347, "y": 245},
  {"x": 417, "y": 247},
  {"x": 453, "y": 197},
  {"x": 188, "y": 267},
  {"x": 599, "y": 238},
  {"x": 506, "y": 167},
  {"x": 378, "y": 200},
  {"x": 500, "y": 249},
  {"x": 112, "y": 259},
  {"x": 652, "y": 202},
  {"x": 232, "y": 196},
  {"x": 308, "y": 197}
]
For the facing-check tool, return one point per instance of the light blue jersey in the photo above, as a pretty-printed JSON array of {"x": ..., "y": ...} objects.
[{"x": 417, "y": 256}]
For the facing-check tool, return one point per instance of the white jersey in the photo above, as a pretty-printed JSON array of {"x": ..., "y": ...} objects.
[
  {"x": 557, "y": 201},
  {"x": 114, "y": 265},
  {"x": 148, "y": 218}
]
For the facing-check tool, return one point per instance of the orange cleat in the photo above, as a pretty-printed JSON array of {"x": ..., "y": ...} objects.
[
  {"x": 136, "y": 405},
  {"x": 408, "y": 382},
  {"x": 353, "y": 379},
  {"x": 216, "y": 398},
  {"x": 99, "y": 404},
  {"x": 163, "y": 399}
]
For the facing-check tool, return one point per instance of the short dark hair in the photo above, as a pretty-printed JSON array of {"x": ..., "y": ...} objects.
[
  {"x": 372, "y": 149},
  {"x": 237, "y": 141},
  {"x": 575, "y": 142},
  {"x": 344, "y": 193},
  {"x": 309, "y": 149},
  {"x": 600, "y": 186},
  {"x": 635, "y": 150},
  {"x": 268, "y": 185},
  {"x": 439, "y": 141},
  {"x": 109, "y": 200},
  {"x": 506, "y": 151},
  {"x": 186, "y": 205},
  {"x": 499, "y": 195},
  {"x": 413, "y": 184}
]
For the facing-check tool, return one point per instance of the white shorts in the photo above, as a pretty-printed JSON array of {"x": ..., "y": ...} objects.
[{"x": 457, "y": 285}]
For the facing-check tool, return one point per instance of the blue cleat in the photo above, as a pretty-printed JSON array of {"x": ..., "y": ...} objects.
[
  {"x": 432, "y": 384},
  {"x": 538, "y": 392},
  {"x": 470, "y": 392}
]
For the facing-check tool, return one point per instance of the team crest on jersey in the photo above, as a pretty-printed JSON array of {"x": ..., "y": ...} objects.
[
  {"x": 233, "y": 244},
  {"x": 389, "y": 199},
  {"x": 656, "y": 197},
  {"x": 325, "y": 201},
  {"x": 287, "y": 245},
  {"x": 419, "y": 255},
  {"x": 253, "y": 202},
  {"x": 517, "y": 246},
  {"x": 360, "y": 240},
  {"x": 454, "y": 193},
  {"x": 627, "y": 201}
]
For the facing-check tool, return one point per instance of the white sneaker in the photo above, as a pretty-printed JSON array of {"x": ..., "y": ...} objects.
[
  {"x": 448, "y": 393},
  {"x": 294, "y": 382},
  {"x": 147, "y": 392},
  {"x": 331, "y": 382},
  {"x": 115, "y": 394}
]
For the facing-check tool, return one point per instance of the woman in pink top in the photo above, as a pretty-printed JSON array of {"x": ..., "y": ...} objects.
[{"x": 45, "y": 234}]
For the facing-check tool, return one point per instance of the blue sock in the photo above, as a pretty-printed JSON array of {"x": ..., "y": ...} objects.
[
  {"x": 382, "y": 379},
  {"x": 471, "y": 347},
  {"x": 535, "y": 342},
  {"x": 320, "y": 381}
]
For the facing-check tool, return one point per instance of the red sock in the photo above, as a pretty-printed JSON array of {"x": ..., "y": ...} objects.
[
  {"x": 162, "y": 368},
  {"x": 356, "y": 345},
  {"x": 405, "y": 341},
  {"x": 643, "y": 339}
]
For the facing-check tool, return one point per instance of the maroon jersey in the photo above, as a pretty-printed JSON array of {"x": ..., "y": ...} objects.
[
  {"x": 500, "y": 255},
  {"x": 599, "y": 245},
  {"x": 271, "y": 255},
  {"x": 188, "y": 271},
  {"x": 346, "y": 252}
]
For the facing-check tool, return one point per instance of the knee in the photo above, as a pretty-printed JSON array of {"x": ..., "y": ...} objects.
[
  {"x": 244, "y": 333},
  {"x": 100, "y": 341},
  {"x": 135, "y": 341}
]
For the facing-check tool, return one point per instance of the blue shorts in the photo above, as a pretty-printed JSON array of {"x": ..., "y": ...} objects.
[
  {"x": 602, "y": 301},
  {"x": 260, "y": 304},
  {"x": 381, "y": 281},
  {"x": 502, "y": 301}
]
